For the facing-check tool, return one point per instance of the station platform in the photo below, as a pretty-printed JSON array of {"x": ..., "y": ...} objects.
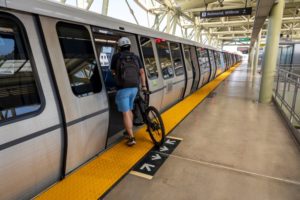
[{"x": 231, "y": 148}]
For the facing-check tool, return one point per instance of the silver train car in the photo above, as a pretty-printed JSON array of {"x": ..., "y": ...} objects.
[{"x": 57, "y": 106}]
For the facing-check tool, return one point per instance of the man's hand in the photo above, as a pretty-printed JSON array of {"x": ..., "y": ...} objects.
[{"x": 144, "y": 88}]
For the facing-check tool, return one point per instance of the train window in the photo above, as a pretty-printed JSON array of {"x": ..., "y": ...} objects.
[
  {"x": 203, "y": 58},
  {"x": 149, "y": 59},
  {"x": 217, "y": 58},
  {"x": 79, "y": 57},
  {"x": 212, "y": 59},
  {"x": 177, "y": 59},
  {"x": 188, "y": 58},
  {"x": 164, "y": 58},
  {"x": 18, "y": 89}
]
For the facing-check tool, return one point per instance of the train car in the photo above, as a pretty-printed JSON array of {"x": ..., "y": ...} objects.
[{"x": 57, "y": 107}]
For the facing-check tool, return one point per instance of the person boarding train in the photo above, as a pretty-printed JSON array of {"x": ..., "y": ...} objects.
[{"x": 128, "y": 72}]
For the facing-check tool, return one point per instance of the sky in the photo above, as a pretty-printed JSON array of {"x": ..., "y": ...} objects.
[{"x": 119, "y": 9}]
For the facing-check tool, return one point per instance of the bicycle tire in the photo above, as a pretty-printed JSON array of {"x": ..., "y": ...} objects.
[{"x": 155, "y": 128}]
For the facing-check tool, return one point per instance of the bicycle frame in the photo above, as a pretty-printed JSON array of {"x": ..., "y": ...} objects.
[{"x": 142, "y": 105}]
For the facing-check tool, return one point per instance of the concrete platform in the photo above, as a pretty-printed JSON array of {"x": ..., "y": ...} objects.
[{"x": 232, "y": 148}]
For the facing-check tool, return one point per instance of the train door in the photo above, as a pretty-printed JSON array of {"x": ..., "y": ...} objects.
[
  {"x": 76, "y": 69},
  {"x": 106, "y": 44},
  {"x": 212, "y": 64},
  {"x": 180, "y": 74},
  {"x": 218, "y": 63},
  {"x": 203, "y": 60},
  {"x": 154, "y": 76},
  {"x": 188, "y": 68},
  {"x": 167, "y": 69},
  {"x": 226, "y": 60},
  {"x": 223, "y": 62},
  {"x": 31, "y": 126},
  {"x": 196, "y": 69},
  {"x": 230, "y": 60}
]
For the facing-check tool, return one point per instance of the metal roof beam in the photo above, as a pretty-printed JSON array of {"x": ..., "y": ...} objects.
[
  {"x": 242, "y": 22},
  {"x": 249, "y": 31}
]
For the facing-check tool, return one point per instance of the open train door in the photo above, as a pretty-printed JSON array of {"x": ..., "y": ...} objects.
[{"x": 106, "y": 46}]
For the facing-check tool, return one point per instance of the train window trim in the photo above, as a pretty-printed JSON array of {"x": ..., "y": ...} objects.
[
  {"x": 94, "y": 53},
  {"x": 27, "y": 48}
]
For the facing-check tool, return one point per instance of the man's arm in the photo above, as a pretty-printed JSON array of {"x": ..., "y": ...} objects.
[
  {"x": 113, "y": 64},
  {"x": 143, "y": 79},
  {"x": 142, "y": 74}
]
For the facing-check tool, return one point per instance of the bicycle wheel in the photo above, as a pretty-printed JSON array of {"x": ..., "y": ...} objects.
[{"x": 155, "y": 125}]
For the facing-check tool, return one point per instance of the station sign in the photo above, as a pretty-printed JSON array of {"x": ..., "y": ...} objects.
[
  {"x": 225, "y": 13},
  {"x": 244, "y": 39}
]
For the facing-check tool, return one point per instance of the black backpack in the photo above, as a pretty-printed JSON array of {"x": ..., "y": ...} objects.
[{"x": 127, "y": 70}]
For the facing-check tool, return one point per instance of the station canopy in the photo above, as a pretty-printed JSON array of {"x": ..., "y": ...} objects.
[{"x": 215, "y": 22}]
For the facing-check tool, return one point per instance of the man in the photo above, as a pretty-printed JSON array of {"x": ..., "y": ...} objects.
[{"x": 128, "y": 72}]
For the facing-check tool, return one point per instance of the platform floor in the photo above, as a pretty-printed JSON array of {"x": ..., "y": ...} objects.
[{"x": 232, "y": 148}]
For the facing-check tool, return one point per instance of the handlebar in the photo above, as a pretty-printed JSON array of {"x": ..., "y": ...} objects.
[{"x": 146, "y": 92}]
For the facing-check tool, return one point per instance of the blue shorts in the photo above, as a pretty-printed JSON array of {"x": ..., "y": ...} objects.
[{"x": 125, "y": 99}]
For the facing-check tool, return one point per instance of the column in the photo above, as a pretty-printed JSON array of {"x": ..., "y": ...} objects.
[
  {"x": 105, "y": 7},
  {"x": 272, "y": 45},
  {"x": 256, "y": 53},
  {"x": 80, "y": 4},
  {"x": 252, "y": 56}
]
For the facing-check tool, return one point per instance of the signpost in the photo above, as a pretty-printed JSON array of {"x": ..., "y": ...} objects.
[{"x": 225, "y": 13}]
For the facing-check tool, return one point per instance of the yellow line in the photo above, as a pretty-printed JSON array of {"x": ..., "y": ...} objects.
[
  {"x": 176, "y": 138},
  {"x": 96, "y": 177},
  {"x": 146, "y": 176}
]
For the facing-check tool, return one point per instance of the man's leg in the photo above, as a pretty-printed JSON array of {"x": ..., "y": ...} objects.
[
  {"x": 131, "y": 116},
  {"x": 127, "y": 119}
]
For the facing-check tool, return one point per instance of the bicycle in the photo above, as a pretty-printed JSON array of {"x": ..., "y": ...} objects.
[{"x": 152, "y": 119}]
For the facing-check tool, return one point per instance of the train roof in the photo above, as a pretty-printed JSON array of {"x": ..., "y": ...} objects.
[{"x": 61, "y": 11}]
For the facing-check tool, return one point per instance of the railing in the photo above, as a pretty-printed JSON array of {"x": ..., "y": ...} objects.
[
  {"x": 287, "y": 94},
  {"x": 295, "y": 68}
]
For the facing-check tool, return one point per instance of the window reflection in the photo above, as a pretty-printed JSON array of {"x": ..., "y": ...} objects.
[
  {"x": 18, "y": 90},
  {"x": 217, "y": 59},
  {"x": 79, "y": 59},
  {"x": 212, "y": 59},
  {"x": 203, "y": 58},
  {"x": 188, "y": 58},
  {"x": 177, "y": 59},
  {"x": 165, "y": 59},
  {"x": 149, "y": 59}
]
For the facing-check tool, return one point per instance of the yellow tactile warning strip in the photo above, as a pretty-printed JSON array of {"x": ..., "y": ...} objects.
[{"x": 96, "y": 177}]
